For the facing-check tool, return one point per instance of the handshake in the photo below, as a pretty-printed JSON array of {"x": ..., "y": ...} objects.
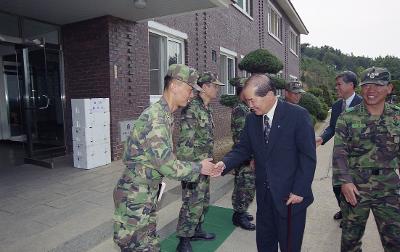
[{"x": 210, "y": 169}]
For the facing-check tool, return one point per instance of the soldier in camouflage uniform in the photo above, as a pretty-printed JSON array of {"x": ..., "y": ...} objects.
[
  {"x": 196, "y": 142},
  {"x": 365, "y": 160},
  {"x": 148, "y": 158},
  {"x": 293, "y": 92},
  {"x": 244, "y": 187}
]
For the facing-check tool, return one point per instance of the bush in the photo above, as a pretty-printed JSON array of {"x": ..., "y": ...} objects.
[
  {"x": 315, "y": 107},
  {"x": 229, "y": 100},
  {"x": 315, "y": 91},
  {"x": 311, "y": 103},
  {"x": 280, "y": 83},
  {"x": 323, "y": 113},
  {"x": 261, "y": 61}
]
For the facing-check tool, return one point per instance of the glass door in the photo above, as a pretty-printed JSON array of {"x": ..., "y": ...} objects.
[{"x": 44, "y": 118}]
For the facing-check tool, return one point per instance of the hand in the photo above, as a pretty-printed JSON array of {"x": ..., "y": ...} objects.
[
  {"x": 252, "y": 165},
  {"x": 207, "y": 166},
  {"x": 318, "y": 141},
  {"x": 216, "y": 171},
  {"x": 219, "y": 165},
  {"x": 294, "y": 199},
  {"x": 349, "y": 191}
]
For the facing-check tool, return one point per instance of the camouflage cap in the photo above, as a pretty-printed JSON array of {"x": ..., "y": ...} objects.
[
  {"x": 186, "y": 74},
  {"x": 295, "y": 87},
  {"x": 208, "y": 77},
  {"x": 375, "y": 75},
  {"x": 237, "y": 81}
]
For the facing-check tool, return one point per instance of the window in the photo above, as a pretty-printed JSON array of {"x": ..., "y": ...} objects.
[
  {"x": 294, "y": 42},
  {"x": 275, "y": 23},
  {"x": 245, "y": 6},
  {"x": 166, "y": 47},
  {"x": 227, "y": 69}
]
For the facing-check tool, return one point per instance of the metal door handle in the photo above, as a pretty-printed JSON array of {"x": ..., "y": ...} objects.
[{"x": 47, "y": 102}]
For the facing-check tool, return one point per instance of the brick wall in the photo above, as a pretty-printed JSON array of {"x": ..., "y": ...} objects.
[
  {"x": 86, "y": 67},
  {"x": 92, "y": 49}
]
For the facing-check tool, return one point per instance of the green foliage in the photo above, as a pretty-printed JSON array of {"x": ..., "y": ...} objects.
[
  {"x": 280, "y": 83},
  {"x": 315, "y": 91},
  {"x": 314, "y": 106},
  {"x": 326, "y": 96},
  {"x": 229, "y": 100},
  {"x": 320, "y": 65},
  {"x": 261, "y": 61},
  {"x": 396, "y": 87},
  {"x": 323, "y": 112},
  {"x": 391, "y": 63}
]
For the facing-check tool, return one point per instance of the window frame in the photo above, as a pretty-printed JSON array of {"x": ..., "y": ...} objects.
[
  {"x": 229, "y": 54},
  {"x": 245, "y": 11},
  {"x": 170, "y": 35},
  {"x": 295, "y": 50},
  {"x": 271, "y": 9}
]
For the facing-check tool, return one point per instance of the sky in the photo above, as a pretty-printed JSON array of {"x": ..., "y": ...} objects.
[{"x": 362, "y": 27}]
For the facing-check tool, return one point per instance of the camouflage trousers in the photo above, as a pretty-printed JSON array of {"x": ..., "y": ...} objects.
[
  {"x": 244, "y": 189},
  {"x": 196, "y": 198},
  {"x": 380, "y": 195},
  {"x": 135, "y": 219}
]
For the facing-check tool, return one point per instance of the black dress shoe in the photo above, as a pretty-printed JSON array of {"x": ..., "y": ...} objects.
[
  {"x": 200, "y": 234},
  {"x": 249, "y": 216},
  {"x": 338, "y": 215},
  {"x": 184, "y": 245},
  {"x": 241, "y": 220}
]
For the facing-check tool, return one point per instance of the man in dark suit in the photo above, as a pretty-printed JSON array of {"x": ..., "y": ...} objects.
[
  {"x": 280, "y": 137},
  {"x": 346, "y": 82}
]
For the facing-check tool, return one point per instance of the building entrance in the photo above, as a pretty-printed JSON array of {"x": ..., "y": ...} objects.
[{"x": 31, "y": 110}]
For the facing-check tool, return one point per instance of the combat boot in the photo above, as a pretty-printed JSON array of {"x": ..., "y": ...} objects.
[
  {"x": 241, "y": 220},
  {"x": 184, "y": 245},
  {"x": 200, "y": 234},
  {"x": 249, "y": 216}
]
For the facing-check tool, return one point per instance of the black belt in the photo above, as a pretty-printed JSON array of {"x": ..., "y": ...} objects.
[{"x": 377, "y": 172}]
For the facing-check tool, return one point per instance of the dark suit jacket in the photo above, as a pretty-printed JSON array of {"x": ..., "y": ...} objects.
[
  {"x": 287, "y": 163},
  {"x": 337, "y": 107}
]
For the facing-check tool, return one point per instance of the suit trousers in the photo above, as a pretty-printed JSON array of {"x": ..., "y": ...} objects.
[{"x": 272, "y": 228}]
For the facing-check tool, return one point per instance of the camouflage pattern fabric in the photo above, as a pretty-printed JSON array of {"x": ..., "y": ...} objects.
[
  {"x": 196, "y": 142},
  {"x": 244, "y": 187},
  {"x": 148, "y": 157},
  {"x": 366, "y": 153}
]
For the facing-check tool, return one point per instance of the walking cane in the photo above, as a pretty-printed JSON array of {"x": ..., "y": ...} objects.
[{"x": 289, "y": 228}]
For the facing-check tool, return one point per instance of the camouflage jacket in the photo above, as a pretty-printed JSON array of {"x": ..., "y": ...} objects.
[
  {"x": 149, "y": 149},
  {"x": 238, "y": 118},
  {"x": 196, "y": 136},
  {"x": 363, "y": 141}
]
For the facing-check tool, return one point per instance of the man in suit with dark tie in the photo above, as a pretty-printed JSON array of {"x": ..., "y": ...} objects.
[
  {"x": 280, "y": 137},
  {"x": 346, "y": 82}
]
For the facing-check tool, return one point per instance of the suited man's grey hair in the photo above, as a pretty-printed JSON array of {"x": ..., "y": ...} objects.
[
  {"x": 348, "y": 77},
  {"x": 263, "y": 84}
]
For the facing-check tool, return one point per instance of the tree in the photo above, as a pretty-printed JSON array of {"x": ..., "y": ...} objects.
[{"x": 261, "y": 61}]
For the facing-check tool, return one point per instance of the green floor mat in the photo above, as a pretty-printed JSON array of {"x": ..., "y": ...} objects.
[{"x": 218, "y": 220}]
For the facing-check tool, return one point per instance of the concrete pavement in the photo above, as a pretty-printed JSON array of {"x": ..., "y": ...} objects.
[{"x": 68, "y": 209}]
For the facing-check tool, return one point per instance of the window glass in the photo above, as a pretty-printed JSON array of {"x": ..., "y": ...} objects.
[{"x": 164, "y": 51}]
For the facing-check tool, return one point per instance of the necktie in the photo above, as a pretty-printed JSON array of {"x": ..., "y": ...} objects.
[
  {"x": 344, "y": 105},
  {"x": 267, "y": 128}
]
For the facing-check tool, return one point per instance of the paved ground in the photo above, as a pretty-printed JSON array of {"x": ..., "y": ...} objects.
[{"x": 68, "y": 209}]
